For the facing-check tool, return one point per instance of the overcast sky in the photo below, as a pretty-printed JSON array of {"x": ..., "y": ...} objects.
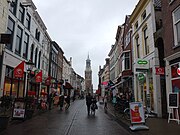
[{"x": 84, "y": 26}]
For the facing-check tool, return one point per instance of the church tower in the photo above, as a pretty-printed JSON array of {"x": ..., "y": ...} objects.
[{"x": 88, "y": 76}]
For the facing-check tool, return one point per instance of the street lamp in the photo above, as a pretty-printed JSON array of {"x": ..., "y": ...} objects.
[{"x": 29, "y": 67}]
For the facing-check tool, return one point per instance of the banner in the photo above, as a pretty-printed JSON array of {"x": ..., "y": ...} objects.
[
  {"x": 39, "y": 77},
  {"x": 19, "y": 70},
  {"x": 48, "y": 80}
]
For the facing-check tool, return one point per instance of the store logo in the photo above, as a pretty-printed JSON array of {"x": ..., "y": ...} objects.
[{"x": 178, "y": 71}]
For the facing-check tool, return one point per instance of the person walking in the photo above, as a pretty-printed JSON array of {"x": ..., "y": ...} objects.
[
  {"x": 88, "y": 102},
  {"x": 67, "y": 101},
  {"x": 61, "y": 102},
  {"x": 105, "y": 101}
]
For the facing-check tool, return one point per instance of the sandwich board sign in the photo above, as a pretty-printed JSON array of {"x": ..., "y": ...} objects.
[{"x": 137, "y": 116}]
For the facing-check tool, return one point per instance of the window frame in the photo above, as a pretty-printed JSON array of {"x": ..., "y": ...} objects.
[
  {"x": 137, "y": 46},
  {"x": 13, "y": 7},
  {"x": 175, "y": 30},
  {"x": 27, "y": 21},
  {"x": 145, "y": 36},
  {"x": 10, "y": 31},
  {"x": 26, "y": 44},
  {"x": 21, "y": 13},
  {"x": 18, "y": 45}
]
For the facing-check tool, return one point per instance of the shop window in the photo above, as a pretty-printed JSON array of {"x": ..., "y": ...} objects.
[
  {"x": 175, "y": 78},
  {"x": 174, "y": 73}
]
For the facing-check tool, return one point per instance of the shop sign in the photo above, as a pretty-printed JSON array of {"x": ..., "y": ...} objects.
[
  {"x": 137, "y": 112},
  {"x": 19, "y": 109},
  {"x": 48, "y": 80},
  {"x": 39, "y": 77},
  {"x": 160, "y": 71},
  {"x": 144, "y": 62},
  {"x": 178, "y": 71},
  {"x": 173, "y": 100},
  {"x": 19, "y": 70},
  {"x": 141, "y": 77}
]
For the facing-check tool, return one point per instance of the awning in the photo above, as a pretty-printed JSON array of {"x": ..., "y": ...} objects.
[{"x": 68, "y": 86}]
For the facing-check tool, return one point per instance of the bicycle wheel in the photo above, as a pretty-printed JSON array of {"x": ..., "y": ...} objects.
[
  {"x": 146, "y": 113},
  {"x": 127, "y": 114}
]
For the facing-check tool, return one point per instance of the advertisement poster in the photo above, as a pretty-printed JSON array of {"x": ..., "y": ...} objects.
[
  {"x": 19, "y": 110},
  {"x": 137, "y": 112}
]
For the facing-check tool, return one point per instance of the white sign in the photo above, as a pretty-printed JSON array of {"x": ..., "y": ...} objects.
[
  {"x": 18, "y": 113},
  {"x": 137, "y": 112}
]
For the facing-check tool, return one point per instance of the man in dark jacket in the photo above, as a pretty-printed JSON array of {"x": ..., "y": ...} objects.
[{"x": 88, "y": 102}]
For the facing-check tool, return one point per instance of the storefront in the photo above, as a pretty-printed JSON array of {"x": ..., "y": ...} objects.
[
  {"x": 172, "y": 75},
  {"x": 13, "y": 86}
]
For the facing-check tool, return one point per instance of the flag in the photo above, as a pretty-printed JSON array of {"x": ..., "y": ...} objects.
[
  {"x": 19, "y": 70},
  {"x": 48, "y": 80},
  {"x": 39, "y": 77}
]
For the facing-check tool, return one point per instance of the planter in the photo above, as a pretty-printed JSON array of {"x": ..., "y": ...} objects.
[{"x": 4, "y": 120}]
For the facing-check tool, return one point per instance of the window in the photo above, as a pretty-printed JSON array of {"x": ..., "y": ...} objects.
[
  {"x": 28, "y": 21},
  {"x": 37, "y": 35},
  {"x": 146, "y": 41},
  {"x": 176, "y": 21},
  {"x": 21, "y": 13},
  {"x": 10, "y": 30},
  {"x": 144, "y": 15},
  {"x": 12, "y": 7},
  {"x": 32, "y": 52},
  {"x": 127, "y": 60},
  {"x": 18, "y": 41},
  {"x": 136, "y": 25},
  {"x": 25, "y": 47},
  {"x": 128, "y": 38},
  {"x": 36, "y": 56},
  {"x": 138, "y": 46}
]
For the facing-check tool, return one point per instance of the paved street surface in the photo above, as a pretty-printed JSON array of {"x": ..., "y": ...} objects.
[{"x": 75, "y": 121}]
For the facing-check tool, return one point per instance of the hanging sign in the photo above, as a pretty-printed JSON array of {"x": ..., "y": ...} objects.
[
  {"x": 39, "y": 77},
  {"x": 19, "y": 70},
  {"x": 159, "y": 70},
  {"x": 48, "y": 80}
]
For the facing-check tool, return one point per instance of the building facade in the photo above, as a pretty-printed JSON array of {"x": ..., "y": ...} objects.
[
  {"x": 145, "y": 56},
  {"x": 3, "y": 25},
  {"x": 28, "y": 31},
  {"x": 171, "y": 42}
]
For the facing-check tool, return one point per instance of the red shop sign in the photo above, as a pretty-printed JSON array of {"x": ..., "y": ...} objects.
[
  {"x": 178, "y": 71},
  {"x": 160, "y": 71}
]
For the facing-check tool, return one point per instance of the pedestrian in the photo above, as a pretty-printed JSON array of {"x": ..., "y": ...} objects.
[
  {"x": 50, "y": 99},
  {"x": 88, "y": 102},
  {"x": 105, "y": 101},
  {"x": 67, "y": 101},
  {"x": 61, "y": 102},
  {"x": 93, "y": 105}
]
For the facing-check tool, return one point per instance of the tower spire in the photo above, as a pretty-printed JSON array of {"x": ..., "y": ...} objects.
[{"x": 88, "y": 56}]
